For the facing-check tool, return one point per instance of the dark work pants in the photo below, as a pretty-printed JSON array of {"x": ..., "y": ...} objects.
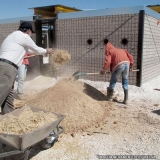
[{"x": 7, "y": 78}]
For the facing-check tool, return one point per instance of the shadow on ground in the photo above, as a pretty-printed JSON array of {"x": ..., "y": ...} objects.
[
  {"x": 33, "y": 152},
  {"x": 156, "y": 112},
  {"x": 94, "y": 93}
]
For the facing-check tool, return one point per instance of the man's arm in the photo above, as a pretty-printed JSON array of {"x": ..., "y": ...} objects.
[
  {"x": 130, "y": 57},
  {"x": 107, "y": 63},
  {"x": 34, "y": 49}
]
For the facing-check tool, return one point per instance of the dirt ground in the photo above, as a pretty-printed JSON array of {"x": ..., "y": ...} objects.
[{"x": 93, "y": 126}]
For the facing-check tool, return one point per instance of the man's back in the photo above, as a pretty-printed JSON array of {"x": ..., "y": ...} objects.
[
  {"x": 118, "y": 55},
  {"x": 13, "y": 47}
]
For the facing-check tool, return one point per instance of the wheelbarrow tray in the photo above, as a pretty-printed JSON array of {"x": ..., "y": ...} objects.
[{"x": 28, "y": 139}]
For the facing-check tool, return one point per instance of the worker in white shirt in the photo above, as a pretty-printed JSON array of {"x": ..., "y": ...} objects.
[{"x": 12, "y": 53}]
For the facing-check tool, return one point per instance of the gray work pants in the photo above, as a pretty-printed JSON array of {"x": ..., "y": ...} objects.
[{"x": 7, "y": 77}]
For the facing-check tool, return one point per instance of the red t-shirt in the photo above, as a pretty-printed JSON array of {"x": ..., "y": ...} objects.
[{"x": 25, "y": 60}]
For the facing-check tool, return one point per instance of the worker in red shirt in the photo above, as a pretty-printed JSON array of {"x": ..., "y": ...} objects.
[
  {"x": 22, "y": 72},
  {"x": 120, "y": 62}
]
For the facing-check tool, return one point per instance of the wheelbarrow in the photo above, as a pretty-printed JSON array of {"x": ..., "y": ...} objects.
[
  {"x": 78, "y": 74},
  {"x": 46, "y": 135}
]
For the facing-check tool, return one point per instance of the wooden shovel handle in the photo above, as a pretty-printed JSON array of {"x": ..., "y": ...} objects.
[
  {"x": 134, "y": 70},
  {"x": 30, "y": 56},
  {"x": 95, "y": 73},
  {"x": 92, "y": 73}
]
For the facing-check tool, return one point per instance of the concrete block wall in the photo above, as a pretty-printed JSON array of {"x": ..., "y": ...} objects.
[
  {"x": 151, "y": 49},
  {"x": 73, "y": 34},
  {"x": 6, "y": 29}
]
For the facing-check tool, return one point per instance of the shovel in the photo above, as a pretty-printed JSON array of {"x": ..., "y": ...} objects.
[{"x": 77, "y": 74}]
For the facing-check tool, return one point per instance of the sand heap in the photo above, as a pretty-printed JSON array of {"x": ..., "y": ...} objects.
[
  {"x": 65, "y": 98},
  {"x": 26, "y": 121}
]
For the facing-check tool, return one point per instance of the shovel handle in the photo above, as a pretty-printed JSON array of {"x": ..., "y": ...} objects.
[
  {"x": 134, "y": 70},
  {"x": 30, "y": 56},
  {"x": 95, "y": 73},
  {"x": 92, "y": 73}
]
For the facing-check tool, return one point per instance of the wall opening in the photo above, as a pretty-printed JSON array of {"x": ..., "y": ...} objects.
[
  {"x": 124, "y": 41},
  {"x": 105, "y": 41},
  {"x": 89, "y": 41}
]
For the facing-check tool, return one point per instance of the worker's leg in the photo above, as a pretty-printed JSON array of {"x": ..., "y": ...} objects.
[
  {"x": 7, "y": 78},
  {"x": 109, "y": 94},
  {"x": 7, "y": 105},
  {"x": 125, "y": 83},
  {"x": 114, "y": 77},
  {"x": 125, "y": 74},
  {"x": 21, "y": 78}
]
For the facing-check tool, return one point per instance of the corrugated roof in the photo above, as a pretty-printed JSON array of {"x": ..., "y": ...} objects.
[
  {"x": 155, "y": 7},
  {"x": 110, "y": 11},
  {"x": 51, "y": 11},
  {"x": 50, "y": 8}
]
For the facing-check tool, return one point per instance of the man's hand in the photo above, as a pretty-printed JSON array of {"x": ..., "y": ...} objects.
[
  {"x": 158, "y": 22},
  {"x": 49, "y": 50},
  {"x": 102, "y": 72},
  {"x": 130, "y": 69}
]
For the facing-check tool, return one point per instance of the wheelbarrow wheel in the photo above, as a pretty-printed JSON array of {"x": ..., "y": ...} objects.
[{"x": 45, "y": 145}]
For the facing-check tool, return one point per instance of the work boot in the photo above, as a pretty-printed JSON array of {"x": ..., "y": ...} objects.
[
  {"x": 109, "y": 94},
  {"x": 125, "y": 101}
]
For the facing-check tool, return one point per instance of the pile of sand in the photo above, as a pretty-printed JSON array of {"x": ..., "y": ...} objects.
[
  {"x": 26, "y": 121},
  {"x": 81, "y": 110}
]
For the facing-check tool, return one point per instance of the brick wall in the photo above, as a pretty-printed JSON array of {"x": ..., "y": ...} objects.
[
  {"x": 72, "y": 35},
  {"x": 6, "y": 29},
  {"x": 151, "y": 49}
]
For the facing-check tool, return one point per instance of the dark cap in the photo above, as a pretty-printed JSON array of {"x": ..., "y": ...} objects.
[{"x": 26, "y": 25}]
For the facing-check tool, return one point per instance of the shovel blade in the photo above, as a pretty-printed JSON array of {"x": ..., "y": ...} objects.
[{"x": 76, "y": 73}]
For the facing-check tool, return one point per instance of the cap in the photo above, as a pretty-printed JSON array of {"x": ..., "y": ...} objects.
[{"x": 26, "y": 25}]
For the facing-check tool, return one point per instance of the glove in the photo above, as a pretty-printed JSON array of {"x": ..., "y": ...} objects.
[
  {"x": 102, "y": 72},
  {"x": 130, "y": 69}
]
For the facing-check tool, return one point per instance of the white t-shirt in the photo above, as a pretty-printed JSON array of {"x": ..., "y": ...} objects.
[{"x": 16, "y": 45}]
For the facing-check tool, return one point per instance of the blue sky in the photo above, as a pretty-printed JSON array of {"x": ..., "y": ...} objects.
[{"x": 20, "y": 8}]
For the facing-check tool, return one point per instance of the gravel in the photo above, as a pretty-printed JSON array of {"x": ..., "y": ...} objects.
[
  {"x": 136, "y": 133},
  {"x": 134, "y": 129}
]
